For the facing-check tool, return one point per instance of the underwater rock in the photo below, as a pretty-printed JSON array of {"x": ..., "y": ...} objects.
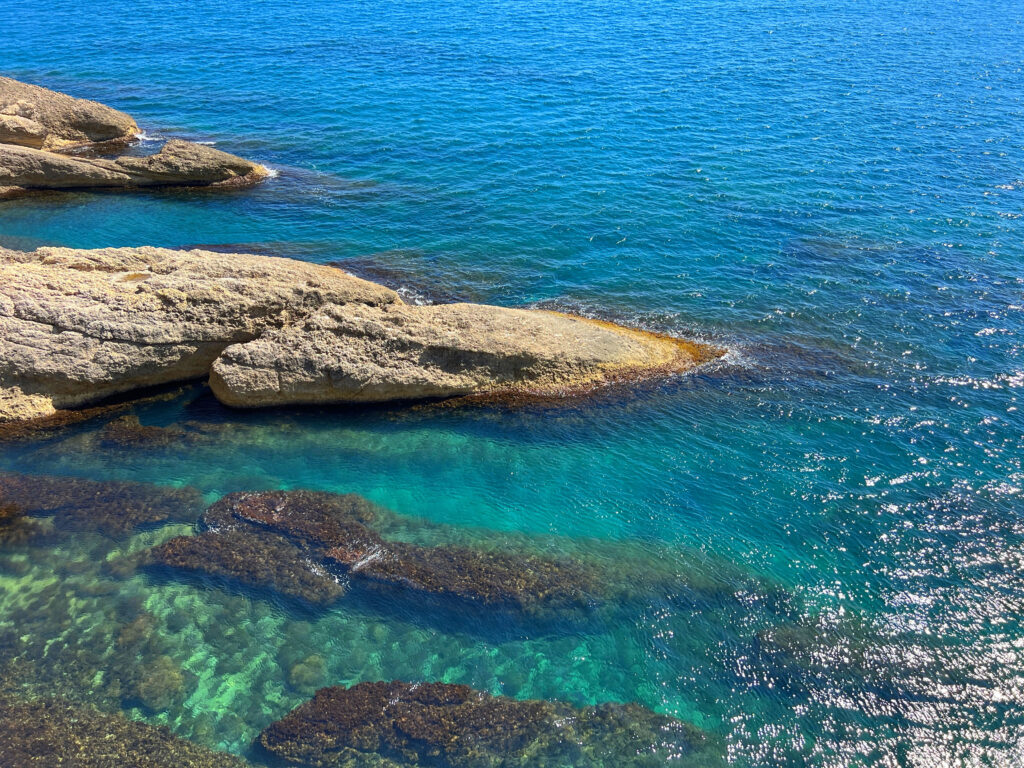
[
  {"x": 308, "y": 675},
  {"x": 159, "y": 684},
  {"x": 14, "y": 527},
  {"x": 307, "y": 532},
  {"x": 77, "y": 326},
  {"x": 128, "y": 432},
  {"x": 32, "y": 116},
  {"x": 49, "y": 732},
  {"x": 178, "y": 163},
  {"x": 401, "y": 352},
  {"x": 109, "y": 507},
  {"x": 403, "y": 724},
  {"x": 260, "y": 561}
]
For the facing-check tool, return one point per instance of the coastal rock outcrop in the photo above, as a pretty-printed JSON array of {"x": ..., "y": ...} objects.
[
  {"x": 392, "y": 724},
  {"x": 178, "y": 163},
  {"x": 37, "y": 124},
  {"x": 32, "y": 116},
  {"x": 401, "y": 352},
  {"x": 77, "y": 326}
]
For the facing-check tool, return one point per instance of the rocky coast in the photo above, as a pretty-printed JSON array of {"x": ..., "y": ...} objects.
[
  {"x": 77, "y": 326},
  {"x": 49, "y": 140}
]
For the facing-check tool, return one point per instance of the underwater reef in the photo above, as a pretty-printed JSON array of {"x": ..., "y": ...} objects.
[
  {"x": 392, "y": 724},
  {"x": 309, "y": 545}
]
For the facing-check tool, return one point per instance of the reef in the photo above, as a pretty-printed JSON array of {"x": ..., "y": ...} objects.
[
  {"x": 307, "y": 544},
  {"x": 77, "y": 326},
  {"x": 112, "y": 508},
  {"x": 48, "y": 732},
  {"x": 391, "y": 724},
  {"x": 38, "y": 125}
]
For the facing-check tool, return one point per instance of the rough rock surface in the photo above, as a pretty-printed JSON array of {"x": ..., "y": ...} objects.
[
  {"x": 76, "y": 326},
  {"x": 390, "y": 724},
  {"x": 303, "y": 543},
  {"x": 178, "y": 163},
  {"x": 44, "y": 733},
  {"x": 397, "y": 352},
  {"x": 89, "y": 505},
  {"x": 37, "y": 123},
  {"x": 37, "y": 117}
]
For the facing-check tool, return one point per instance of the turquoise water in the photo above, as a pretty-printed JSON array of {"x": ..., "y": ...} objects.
[{"x": 835, "y": 192}]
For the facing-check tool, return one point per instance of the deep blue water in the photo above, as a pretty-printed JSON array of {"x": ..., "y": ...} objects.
[{"x": 833, "y": 191}]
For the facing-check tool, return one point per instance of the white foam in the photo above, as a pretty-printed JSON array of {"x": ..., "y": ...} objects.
[{"x": 272, "y": 173}]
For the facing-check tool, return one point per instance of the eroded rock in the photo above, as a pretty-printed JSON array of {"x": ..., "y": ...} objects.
[
  {"x": 178, "y": 163},
  {"x": 76, "y": 326},
  {"x": 33, "y": 116},
  {"x": 402, "y": 724},
  {"x": 400, "y": 352}
]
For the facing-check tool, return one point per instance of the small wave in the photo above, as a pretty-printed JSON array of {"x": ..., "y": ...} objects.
[
  {"x": 207, "y": 143},
  {"x": 272, "y": 173}
]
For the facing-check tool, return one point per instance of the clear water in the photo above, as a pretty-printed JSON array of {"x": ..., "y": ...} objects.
[{"x": 833, "y": 191}]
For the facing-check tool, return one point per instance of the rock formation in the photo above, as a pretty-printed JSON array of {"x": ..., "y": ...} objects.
[
  {"x": 90, "y": 505},
  {"x": 37, "y": 124},
  {"x": 78, "y": 326},
  {"x": 392, "y": 724},
  {"x": 303, "y": 544},
  {"x": 401, "y": 352},
  {"x": 42, "y": 733},
  {"x": 39, "y": 118}
]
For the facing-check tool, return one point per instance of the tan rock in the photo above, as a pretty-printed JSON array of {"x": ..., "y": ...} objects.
[
  {"x": 398, "y": 352},
  {"x": 178, "y": 163},
  {"x": 38, "y": 117},
  {"x": 77, "y": 326}
]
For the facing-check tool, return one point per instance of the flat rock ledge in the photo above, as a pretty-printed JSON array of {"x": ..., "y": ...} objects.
[
  {"x": 37, "y": 125},
  {"x": 77, "y": 326}
]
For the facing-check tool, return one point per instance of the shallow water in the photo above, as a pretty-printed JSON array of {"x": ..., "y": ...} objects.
[{"x": 825, "y": 529}]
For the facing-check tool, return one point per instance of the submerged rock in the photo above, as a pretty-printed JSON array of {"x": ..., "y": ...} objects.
[
  {"x": 37, "y": 123},
  {"x": 77, "y": 326},
  {"x": 51, "y": 732},
  {"x": 254, "y": 560},
  {"x": 292, "y": 541},
  {"x": 109, "y": 507},
  {"x": 402, "y": 352},
  {"x": 403, "y": 724},
  {"x": 32, "y": 116}
]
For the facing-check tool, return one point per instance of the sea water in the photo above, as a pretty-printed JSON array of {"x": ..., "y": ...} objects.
[{"x": 833, "y": 512}]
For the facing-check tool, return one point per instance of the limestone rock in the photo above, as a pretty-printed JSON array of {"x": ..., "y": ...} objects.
[
  {"x": 76, "y": 326},
  {"x": 397, "y": 352},
  {"x": 178, "y": 163},
  {"x": 38, "y": 117}
]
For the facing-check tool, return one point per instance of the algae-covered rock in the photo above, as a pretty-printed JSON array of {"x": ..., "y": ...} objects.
[
  {"x": 159, "y": 684},
  {"x": 403, "y": 724},
  {"x": 110, "y": 507},
  {"x": 44, "y": 733},
  {"x": 293, "y": 541}
]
